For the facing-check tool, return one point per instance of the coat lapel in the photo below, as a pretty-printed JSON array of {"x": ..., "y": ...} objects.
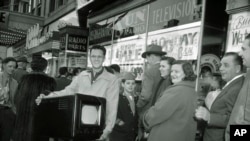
[{"x": 224, "y": 91}]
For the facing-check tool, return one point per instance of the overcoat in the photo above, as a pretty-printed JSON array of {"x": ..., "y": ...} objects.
[{"x": 172, "y": 116}]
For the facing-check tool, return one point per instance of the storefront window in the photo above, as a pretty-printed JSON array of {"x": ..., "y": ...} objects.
[{"x": 125, "y": 35}]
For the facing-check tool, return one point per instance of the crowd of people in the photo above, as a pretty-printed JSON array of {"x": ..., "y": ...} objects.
[{"x": 167, "y": 107}]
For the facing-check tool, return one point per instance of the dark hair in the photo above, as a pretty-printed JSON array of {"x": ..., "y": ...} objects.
[
  {"x": 115, "y": 67},
  {"x": 38, "y": 64},
  {"x": 237, "y": 59},
  {"x": 205, "y": 70},
  {"x": 109, "y": 69},
  {"x": 102, "y": 48},
  {"x": 219, "y": 79},
  {"x": 75, "y": 71},
  {"x": 170, "y": 60},
  {"x": 187, "y": 69},
  {"x": 29, "y": 88},
  {"x": 63, "y": 70},
  {"x": 8, "y": 59}
]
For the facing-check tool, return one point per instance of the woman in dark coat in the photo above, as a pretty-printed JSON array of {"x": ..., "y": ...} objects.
[
  {"x": 126, "y": 123},
  {"x": 30, "y": 87},
  {"x": 172, "y": 116}
]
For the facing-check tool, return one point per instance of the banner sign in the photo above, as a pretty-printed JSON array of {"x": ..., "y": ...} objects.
[
  {"x": 179, "y": 42},
  {"x": 239, "y": 28},
  {"x": 127, "y": 54},
  {"x": 77, "y": 43}
]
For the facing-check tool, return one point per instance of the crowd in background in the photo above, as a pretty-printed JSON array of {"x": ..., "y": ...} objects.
[{"x": 165, "y": 105}]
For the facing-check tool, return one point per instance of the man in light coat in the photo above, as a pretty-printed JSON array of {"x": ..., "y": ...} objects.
[{"x": 96, "y": 82}]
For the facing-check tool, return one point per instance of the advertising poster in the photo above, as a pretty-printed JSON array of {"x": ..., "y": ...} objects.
[
  {"x": 127, "y": 54},
  {"x": 180, "y": 42},
  {"x": 77, "y": 62},
  {"x": 238, "y": 29}
]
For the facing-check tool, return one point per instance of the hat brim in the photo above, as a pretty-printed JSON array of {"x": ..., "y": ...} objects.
[
  {"x": 144, "y": 55},
  {"x": 23, "y": 61}
]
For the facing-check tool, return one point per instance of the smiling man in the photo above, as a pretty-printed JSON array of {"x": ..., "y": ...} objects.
[
  {"x": 241, "y": 109},
  {"x": 218, "y": 115},
  {"x": 8, "y": 86},
  {"x": 96, "y": 82}
]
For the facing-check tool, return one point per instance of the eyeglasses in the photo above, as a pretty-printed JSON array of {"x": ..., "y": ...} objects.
[{"x": 96, "y": 57}]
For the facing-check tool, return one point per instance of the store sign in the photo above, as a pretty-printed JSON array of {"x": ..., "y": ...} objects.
[
  {"x": 130, "y": 23},
  {"x": 211, "y": 61},
  {"x": 32, "y": 39},
  {"x": 127, "y": 54},
  {"x": 179, "y": 42},
  {"x": 101, "y": 34},
  {"x": 77, "y": 62},
  {"x": 77, "y": 43},
  {"x": 239, "y": 28},
  {"x": 4, "y": 17},
  {"x": 163, "y": 11}
]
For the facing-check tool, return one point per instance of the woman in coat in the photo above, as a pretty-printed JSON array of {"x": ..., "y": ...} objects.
[
  {"x": 172, "y": 116},
  {"x": 30, "y": 87}
]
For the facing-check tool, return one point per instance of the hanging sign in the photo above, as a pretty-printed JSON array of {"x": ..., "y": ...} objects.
[
  {"x": 179, "y": 42},
  {"x": 239, "y": 28}
]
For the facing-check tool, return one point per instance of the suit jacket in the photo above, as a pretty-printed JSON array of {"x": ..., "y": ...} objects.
[
  {"x": 150, "y": 81},
  {"x": 220, "y": 111},
  {"x": 12, "y": 89},
  {"x": 126, "y": 132},
  {"x": 172, "y": 116},
  {"x": 61, "y": 83},
  {"x": 18, "y": 74},
  {"x": 241, "y": 110}
]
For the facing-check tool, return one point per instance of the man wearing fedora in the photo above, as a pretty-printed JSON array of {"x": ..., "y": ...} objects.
[
  {"x": 151, "y": 78},
  {"x": 21, "y": 69}
]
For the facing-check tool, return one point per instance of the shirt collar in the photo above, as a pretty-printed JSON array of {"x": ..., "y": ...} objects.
[{"x": 237, "y": 76}]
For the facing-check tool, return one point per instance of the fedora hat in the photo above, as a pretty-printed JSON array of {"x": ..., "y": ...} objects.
[
  {"x": 22, "y": 59},
  {"x": 153, "y": 49}
]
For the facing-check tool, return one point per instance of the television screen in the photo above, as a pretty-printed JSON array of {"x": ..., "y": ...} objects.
[
  {"x": 91, "y": 114},
  {"x": 77, "y": 117}
]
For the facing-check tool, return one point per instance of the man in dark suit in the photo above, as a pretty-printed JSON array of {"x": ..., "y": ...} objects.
[
  {"x": 151, "y": 78},
  {"x": 218, "y": 116},
  {"x": 62, "y": 81}
]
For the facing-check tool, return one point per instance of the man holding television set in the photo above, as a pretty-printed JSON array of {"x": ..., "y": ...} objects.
[{"x": 96, "y": 82}]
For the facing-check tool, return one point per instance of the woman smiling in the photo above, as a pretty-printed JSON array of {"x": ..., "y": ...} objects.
[{"x": 172, "y": 116}]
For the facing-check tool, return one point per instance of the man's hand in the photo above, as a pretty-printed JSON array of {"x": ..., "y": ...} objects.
[
  {"x": 39, "y": 99},
  {"x": 202, "y": 113},
  {"x": 104, "y": 135}
]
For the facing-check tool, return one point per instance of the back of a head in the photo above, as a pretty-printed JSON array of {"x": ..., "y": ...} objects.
[
  {"x": 76, "y": 71},
  {"x": 63, "y": 70},
  {"x": 29, "y": 88},
  {"x": 115, "y": 67},
  {"x": 39, "y": 64}
]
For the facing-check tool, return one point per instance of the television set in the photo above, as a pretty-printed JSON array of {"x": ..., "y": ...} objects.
[{"x": 77, "y": 117}]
